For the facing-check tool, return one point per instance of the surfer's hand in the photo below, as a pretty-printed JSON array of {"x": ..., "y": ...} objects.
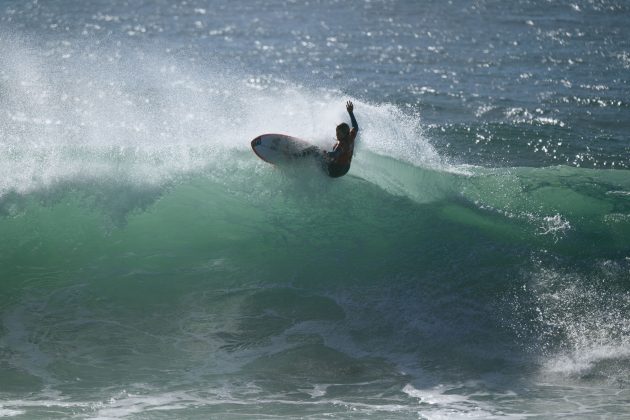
[{"x": 350, "y": 106}]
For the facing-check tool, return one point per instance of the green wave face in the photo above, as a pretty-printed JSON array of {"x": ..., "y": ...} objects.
[{"x": 148, "y": 259}]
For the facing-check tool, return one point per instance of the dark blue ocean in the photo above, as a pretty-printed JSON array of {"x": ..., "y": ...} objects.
[{"x": 474, "y": 262}]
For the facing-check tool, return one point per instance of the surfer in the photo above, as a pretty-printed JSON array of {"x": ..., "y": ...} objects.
[{"x": 337, "y": 162}]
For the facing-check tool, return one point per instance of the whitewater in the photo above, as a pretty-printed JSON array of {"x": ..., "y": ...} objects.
[{"x": 475, "y": 261}]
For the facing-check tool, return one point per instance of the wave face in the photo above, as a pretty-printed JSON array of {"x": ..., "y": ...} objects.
[{"x": 151, "y": 265}]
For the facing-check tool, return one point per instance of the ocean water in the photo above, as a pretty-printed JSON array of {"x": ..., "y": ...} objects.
[{"x": 474, "y": 263}]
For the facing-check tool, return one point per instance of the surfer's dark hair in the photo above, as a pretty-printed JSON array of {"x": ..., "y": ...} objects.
[{"x": 344, "y": 127}]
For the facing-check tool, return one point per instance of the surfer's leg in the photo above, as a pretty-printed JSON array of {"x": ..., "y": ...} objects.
[{"x": 336, "y": 171}]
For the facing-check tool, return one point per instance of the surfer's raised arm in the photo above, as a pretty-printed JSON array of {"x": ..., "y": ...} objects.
[{"x": 350, "y": 108}]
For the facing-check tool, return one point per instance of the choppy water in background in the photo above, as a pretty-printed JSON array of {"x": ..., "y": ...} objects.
[{"x": 474, "y": 263}]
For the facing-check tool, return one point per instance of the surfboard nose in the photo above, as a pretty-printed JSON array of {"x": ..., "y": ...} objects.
[{"x": 256, "y": 141}]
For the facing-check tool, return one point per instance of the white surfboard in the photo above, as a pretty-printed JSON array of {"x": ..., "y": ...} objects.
[{"x": 280, "y": 148}]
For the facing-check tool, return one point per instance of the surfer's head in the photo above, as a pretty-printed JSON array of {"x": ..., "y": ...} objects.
[{"x": 343, "y": 130}]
